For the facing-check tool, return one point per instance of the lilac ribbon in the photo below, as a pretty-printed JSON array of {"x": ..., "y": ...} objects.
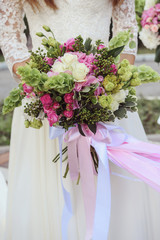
[
  {"x": 110, "y": 142},
  {"x": 67, "y": 210}
]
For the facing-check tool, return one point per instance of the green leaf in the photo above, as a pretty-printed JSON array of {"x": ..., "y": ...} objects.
[
  {"x": 93, "y": 127},
  {"x": 130, "y": 104},
  {"x": 86, "y": 89},
  {"x": 88, "y": 44},
  {"x": 120, "y": 113},
  {"x": 115, "y": 52},
  {"x": 80, "y": 130}
]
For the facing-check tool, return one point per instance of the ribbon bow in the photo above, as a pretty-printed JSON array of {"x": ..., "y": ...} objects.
[{"x": 110, "y": 142}]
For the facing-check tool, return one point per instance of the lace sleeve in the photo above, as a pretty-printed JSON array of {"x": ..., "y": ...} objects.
[
  {"x": 12, "y": 37},
  {"x": 124, "y": 17}
]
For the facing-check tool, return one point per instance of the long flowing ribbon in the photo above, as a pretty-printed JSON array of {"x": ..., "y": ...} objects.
[
  {"x": 111, "y": 143},
  {"x": 67, "y": 210}
]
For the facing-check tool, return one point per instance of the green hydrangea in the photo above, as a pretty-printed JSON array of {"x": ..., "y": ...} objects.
[
  {"x": 147, "y": 74},
  {"x": 105, "y": 101},
  {"x": 62, "y": 83},
  {"x": 121, "y": 39},
  {"x": 12, "y": 101},
  {"x": 125, "y": 71},
  {"x": 31, "y": 76}
]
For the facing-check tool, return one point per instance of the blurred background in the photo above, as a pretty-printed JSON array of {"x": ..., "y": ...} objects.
[{"x": 148, "y": 102}]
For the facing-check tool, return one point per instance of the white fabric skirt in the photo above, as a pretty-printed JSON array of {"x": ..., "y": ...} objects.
[{"x": 35, "y": 200}]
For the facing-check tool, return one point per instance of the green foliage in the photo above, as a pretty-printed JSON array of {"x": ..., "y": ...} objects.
[
  {"x": 38, "y": 61},
  {"x": 5, "y": 127}
]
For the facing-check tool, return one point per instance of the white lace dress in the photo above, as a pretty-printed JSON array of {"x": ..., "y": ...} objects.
[{"x": 35, "y": 198}]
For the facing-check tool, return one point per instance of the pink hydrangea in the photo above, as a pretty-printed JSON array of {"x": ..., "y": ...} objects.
[
  {"x": 68, "y": 114},
  {"x": 99, "y": 91},
  {"x": 101, "y": 46},
  {"x": 56, "y": 105},
  {"x": 27, "y": 89},
  {"x": 49, "y": 61},
  {"x": 50, "y": 74},
  {"x": 46, "y": 99},
  {"x": 157, "y": 7},
  {"x": 89, "y": 80},
  {"x": 87, "y": 60},
  {"x": 52, "y": 117},
  {"x": 68, "y": 97},
  {"x": 69, "y": 44}
]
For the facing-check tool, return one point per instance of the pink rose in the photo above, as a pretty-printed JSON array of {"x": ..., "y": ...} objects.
[
  {"x": 27, "y": 89},
  {"x": 68, "y": 114},
  {"x": 56, "y": 105},
  {"x": 47, "y": 109},
  {"x": 154, "y": 28},
  {"x": 113, "y": 69},
  {"x": 101, "y": 46},
  {"x": 52, "y": 118},
  {"x": 49, "y": 61},
  {"x": 69, "y": 107},
  {"x": 69, "y": 44},
  {"x": 46, "y": 99},
  {"x": 68, "y": 97}
]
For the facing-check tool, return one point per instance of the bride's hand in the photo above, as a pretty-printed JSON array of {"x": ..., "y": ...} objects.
[{"x": 19, "y": 64}]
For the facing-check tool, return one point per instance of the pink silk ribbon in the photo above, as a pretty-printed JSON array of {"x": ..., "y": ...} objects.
[{"x": 141, "y": 159}]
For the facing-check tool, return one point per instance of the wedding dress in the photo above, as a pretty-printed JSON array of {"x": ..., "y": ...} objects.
[{"x": 35, "y": 198}]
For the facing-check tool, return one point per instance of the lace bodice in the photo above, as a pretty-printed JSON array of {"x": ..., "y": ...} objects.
[{"x": 73, "y": 17}]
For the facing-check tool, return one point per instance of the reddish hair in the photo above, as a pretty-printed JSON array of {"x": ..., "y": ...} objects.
[{"x": 51, "y": 3}]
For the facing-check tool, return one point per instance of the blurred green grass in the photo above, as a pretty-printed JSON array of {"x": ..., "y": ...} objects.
[
  {"x": 5, "y": 127},
  {"x": 149, "y": 111}
]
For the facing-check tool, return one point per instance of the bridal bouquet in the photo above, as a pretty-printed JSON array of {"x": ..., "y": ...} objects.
[
  {"x": 150, "y": 21},
  {"x": 81, "y": 89},
  {"x": 78, "y": 83}
]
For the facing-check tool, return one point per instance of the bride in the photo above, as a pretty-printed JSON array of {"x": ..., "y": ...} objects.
[{"x": 35, "y": 198}]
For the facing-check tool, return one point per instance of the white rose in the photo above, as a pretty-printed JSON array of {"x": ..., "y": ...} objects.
[
  {"x": 79, "y": 71},
  {"x": 114, "y": 105},
  {"x": 58, "y": 67},
  {"x": 149, "y": 4},
  {"x": 120, "y": 96},
  {"x": 68, "y": 59},
  {"x": 149, "y": 39}
]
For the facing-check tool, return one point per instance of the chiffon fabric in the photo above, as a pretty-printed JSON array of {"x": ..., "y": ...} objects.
[{"x": 35, "y": 200}]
